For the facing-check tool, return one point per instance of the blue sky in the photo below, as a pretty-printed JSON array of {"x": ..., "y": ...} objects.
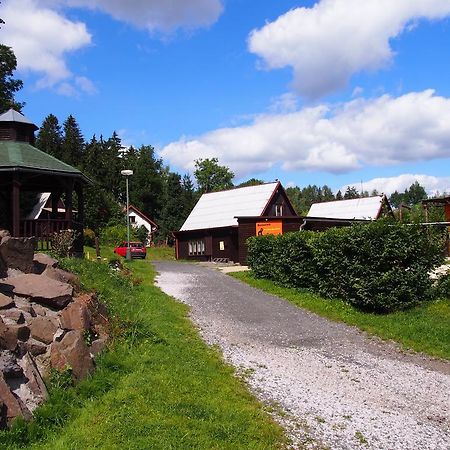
[{"x": 330, "y": 92}]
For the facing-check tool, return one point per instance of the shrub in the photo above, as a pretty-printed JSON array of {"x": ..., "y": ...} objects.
[
  {"x": 62, "y": 243},
  {"x": 89, "y": 237},
  {"x": 260, "y": 252},
  {"x": 382, "y": 266},
  {"x": 116, "y": 234},
  {"x": 442, "y": 287}
]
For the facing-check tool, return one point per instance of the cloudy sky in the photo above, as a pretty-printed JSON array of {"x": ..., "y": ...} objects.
[{"x": 330, "y": 92}]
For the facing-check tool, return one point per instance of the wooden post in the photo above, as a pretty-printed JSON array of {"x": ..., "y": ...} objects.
[
  {"x": 69, "y": 206},
  {"x": 15, "y": 206},
  {"x": 55, "y": 196}
]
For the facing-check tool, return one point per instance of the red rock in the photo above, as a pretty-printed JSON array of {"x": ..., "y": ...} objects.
[
  {"x": 41, "y": 261},
  {"x": 6, "y": 302},
  {"x": 24, "y": 305},
  {"x": 17, "y": 253},
  {"x": 43, "y": 290},
  {"x": 61, "y": 275},
  {"x": 33, "y": 347},
  {"x": 98, "y": 345},
  {"x": 75, "y": 317},
  {"x": 43, "y": 329},
  {"x": 14, "y": 316},
  {"x": 35, "y": 382},
  {"x": 7, "y": 341},
  {"x": 13, "y": 406},
  {"x": 72, "y": 351}
]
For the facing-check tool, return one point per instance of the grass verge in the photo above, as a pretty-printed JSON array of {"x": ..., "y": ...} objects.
[
  {"x": 153, "y": 253},
  {"x": 423, "y": 329},
  {"x": 157, "y": 386}
]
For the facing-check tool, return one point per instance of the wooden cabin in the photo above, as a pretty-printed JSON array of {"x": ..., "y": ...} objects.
[
  {"x": 25, "y": 172},
  {"x": 341, "y": 213},
  {"x": 221, "y": 222}
]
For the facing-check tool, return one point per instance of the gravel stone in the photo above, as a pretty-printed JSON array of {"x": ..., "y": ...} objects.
[{"x": 337, "y": 387}]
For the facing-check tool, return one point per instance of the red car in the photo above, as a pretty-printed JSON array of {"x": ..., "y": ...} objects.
[{"x": 137, "y": 249}]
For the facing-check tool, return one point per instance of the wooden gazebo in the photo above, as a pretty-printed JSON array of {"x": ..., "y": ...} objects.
[{"x": 26, "y": 170}]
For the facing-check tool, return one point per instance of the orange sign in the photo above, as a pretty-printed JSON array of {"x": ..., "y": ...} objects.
[{"x": 269, "y": 227}]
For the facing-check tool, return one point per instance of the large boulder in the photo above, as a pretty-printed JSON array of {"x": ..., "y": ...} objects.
[
  {"x": 34, "y": 391},
  {"x": 12, "y": 406},
  {"x": 43, "y": 329},
  {"x": 61, "y": 275},
  {"x": 43, "y": 290},
  {"x": 8, "y": 365},
  {"x": 42, "y": 261},
  {"x": 10, "y": 335},
  {"x": 73, "y": 352},
  {"x": 18, "y": 253},
  {"x": 5, "y": 302},
  {"x": 76, "y": 316}
]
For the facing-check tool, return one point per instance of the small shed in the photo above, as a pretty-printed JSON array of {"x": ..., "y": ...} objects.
[
  {"x": 338, "y": 213},
  {"x": 27, "y": 171},
  {"x": 221, "y": 222}
]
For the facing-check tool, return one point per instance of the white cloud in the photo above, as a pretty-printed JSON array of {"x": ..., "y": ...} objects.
[
  {"x": 155, "y": 15},
  {"x": 433, "y": 185},
  {"x": 338, "y": 139},
  {"x": 86, "y": 85},
  {"x": 326, "y": 44},
  {"x": 41, "y": 39}
]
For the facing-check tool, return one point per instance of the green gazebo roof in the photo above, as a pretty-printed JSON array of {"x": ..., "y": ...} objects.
[{"x": 15, "y": 155}]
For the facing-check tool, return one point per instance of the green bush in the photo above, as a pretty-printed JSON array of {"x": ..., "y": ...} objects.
[
  {"x": 382, "y": 266},
  {"x": 116, "y": 234},
  {"x": 442, "y": 287},
  {"x": 89, "y": 237},
  {"x": 62, "y": 243}
]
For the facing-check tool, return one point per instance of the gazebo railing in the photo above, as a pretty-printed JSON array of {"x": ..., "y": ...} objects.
[{"x": 43, "y": 229}]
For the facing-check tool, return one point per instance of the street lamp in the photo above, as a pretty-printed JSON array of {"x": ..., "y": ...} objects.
[{"x": 127, "y": 174}]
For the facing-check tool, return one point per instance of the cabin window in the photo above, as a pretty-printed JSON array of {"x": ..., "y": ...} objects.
[
  {"x": 132, "y": 219},
  {"x": 278, "y": 210},
  {"x": 196, "y": 247}
]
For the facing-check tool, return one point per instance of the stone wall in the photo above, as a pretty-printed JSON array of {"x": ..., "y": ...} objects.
[{"x": 45, "y": 323}]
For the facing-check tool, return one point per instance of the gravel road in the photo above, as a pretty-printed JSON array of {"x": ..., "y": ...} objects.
[{"x": 329, "y": 384}]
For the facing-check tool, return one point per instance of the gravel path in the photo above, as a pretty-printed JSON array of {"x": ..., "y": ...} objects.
[{"x": 331, "y": 386}]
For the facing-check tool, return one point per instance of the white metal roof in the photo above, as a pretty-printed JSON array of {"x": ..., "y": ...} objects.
[
  {"x": 14, "y": 116},
  {"x": 39, "y": 206},
  {"x": 358, "y": 208},
  {"x": 219, "y": 209}
]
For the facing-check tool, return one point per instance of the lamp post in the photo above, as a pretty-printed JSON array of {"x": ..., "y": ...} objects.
[{"x": 127, "y": 174}]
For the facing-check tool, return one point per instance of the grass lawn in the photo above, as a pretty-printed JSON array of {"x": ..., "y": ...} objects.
[
  {"x": 424, "y": 329},
  {"x": 153, "y": 253},
  {"x": 157, "y": 386}
]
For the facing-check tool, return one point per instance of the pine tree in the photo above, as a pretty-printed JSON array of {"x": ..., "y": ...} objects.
[
  {"x": 73, "y": 145},
  {"x": 49, "y": 138},
  {"x": 189, "y": 196},
  {"x": 146, "y": 184},
  {"x": 172, "y": 216}
]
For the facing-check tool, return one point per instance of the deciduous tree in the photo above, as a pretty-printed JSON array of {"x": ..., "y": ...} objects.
[{"x": 211, "y": 176}]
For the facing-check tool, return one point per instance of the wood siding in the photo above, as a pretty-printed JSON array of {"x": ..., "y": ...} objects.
[
  {"x": 212, "y": 239},
  {"x": 247, "y": 228}
]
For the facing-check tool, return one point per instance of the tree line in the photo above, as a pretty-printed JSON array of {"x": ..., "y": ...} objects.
[{"x": 163, "y": 195}]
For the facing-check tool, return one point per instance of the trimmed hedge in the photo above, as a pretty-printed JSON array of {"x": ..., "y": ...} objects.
[{"x": 382, "y": 266}]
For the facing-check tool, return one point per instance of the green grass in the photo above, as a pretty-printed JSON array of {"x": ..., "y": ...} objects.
[
  {"x": 424, "y": 329},
  {"x": 153, "y": 253},
  {"x": 158, "y": 386},
  {"x": 161, "y": 253}
]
